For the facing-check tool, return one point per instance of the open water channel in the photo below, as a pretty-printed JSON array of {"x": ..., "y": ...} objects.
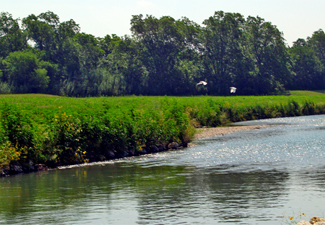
[{"x": 248, "y": 177}]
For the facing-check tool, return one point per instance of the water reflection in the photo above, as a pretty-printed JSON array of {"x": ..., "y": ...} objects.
[
  {"x": 158, "y": 194},
  {"x": 209, "y": 195},
  {"x": 313, "y": 179}
]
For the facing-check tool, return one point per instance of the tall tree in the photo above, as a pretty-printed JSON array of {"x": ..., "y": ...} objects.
[
  {"x": 107, "y": 77},
  {"x": 12, "y": 37},
  {"x": 189, "y": 66},
  {"x": 222, "y": 56},
  {"x": 307, "y": 67},
  {"x": 43, "y": 30},
  {"x": 128, "y": 64},
  {"x": 160, "y": 42},
  {"x": 317, "y": 43},
  {"x": 270, "y": 62}
]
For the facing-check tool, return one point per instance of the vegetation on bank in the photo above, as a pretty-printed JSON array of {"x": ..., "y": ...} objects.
[{"x": 54, "y": 130}]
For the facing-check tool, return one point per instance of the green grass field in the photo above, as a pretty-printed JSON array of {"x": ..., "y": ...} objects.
[
  {"x": 52, "y": 102},
  {"x": 61, "y": 130}
]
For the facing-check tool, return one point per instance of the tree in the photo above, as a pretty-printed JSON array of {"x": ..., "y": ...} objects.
[
  {"x": 12, "y": 37},
  {"x": 68, "y": 29},
  {"x": 189, "y": 66},
  {"x": 222, "y": 56},
  {"x": 108, "y": 43},
  {"x": 125, "y": 61},
  {"x": 317, "y": 43},
  {"x": 42, "y": 30},
  {"x": 269, "y": 60},
  {"x": 307, "y": 67},
  {"x": 161, "y": 42},
  {"x": 89, "y": 50},
  {"x": 25, "y": 72}
]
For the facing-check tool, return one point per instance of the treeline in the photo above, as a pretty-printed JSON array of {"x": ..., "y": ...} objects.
[{"x": 40, "y": 54}]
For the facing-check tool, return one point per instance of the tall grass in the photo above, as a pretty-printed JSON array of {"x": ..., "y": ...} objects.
[{"x": 59, "y": 130}]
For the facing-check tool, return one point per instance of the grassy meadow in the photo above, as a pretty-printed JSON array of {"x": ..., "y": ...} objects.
[{"x": 56, "y": 130}]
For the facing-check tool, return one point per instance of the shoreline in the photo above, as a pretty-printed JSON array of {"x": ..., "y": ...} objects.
[
  {"x": 218, "y": 131},
  {"x": 200, "y": 134},
  {"x": 207, "y": 132}
]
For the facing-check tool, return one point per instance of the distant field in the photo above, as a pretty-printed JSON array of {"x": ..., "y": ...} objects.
[
  {"x": 30, "y": 101},
  {"x": 299, "y": 93}
]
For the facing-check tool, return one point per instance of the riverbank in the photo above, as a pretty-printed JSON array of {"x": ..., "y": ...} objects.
[
  {"x": 207, "y": 132},
  {"x": 204, "y": 132},
  {"x": 60, "y": 131},
  {"x": 217, "y": 131}
]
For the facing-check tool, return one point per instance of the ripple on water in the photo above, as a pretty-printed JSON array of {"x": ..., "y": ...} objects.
[{"x": 250, "y": 177}]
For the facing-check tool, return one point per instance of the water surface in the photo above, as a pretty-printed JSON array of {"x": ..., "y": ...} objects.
[{"x": 248, "y": 177}]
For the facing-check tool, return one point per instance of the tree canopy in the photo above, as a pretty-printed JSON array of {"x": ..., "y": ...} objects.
[{"x": 162, "y": 56}]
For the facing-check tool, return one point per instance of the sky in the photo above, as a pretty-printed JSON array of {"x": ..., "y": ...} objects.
[{"x": 294, "y": 18}]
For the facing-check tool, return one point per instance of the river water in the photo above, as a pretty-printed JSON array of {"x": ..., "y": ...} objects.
[{"x": 248, "y": 177}]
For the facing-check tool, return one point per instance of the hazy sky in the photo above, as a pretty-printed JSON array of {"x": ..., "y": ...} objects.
[{"x": 295, "y": 18}]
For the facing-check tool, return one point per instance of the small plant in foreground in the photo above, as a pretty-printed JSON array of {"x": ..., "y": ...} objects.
[{"x": 294, "y": 219}]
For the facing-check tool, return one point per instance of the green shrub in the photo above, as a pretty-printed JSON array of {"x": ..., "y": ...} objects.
[
  {"x": 18, "y": 130},
  {"x": 62, "y": 130}
]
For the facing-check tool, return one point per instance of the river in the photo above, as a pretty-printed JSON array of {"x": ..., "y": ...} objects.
[{"x": 247, "y": 177}]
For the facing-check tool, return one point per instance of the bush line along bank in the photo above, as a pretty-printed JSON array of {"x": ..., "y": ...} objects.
[{"x": 63, "y": 131}]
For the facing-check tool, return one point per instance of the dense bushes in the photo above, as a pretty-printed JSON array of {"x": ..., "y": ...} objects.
[
  {"x": 63, "y": 137},
  {"x": 60, "y": 131}
]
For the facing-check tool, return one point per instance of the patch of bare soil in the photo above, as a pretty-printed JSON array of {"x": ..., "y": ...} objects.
[{"x": 217, "y": 131}]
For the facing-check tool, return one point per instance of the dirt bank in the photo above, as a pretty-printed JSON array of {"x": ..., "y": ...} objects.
[{"x": 217, "y": 131}]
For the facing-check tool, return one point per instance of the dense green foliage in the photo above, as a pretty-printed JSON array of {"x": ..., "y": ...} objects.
[
  {"x": 162, "y": 57},
  {"x": 63, "y": 130}
]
